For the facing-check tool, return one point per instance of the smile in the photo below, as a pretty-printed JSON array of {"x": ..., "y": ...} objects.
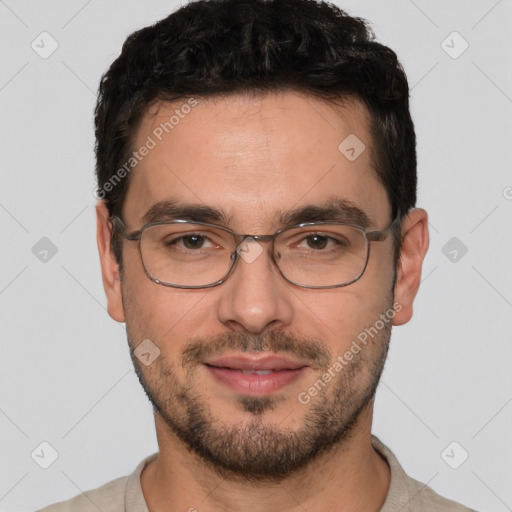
[{"x": 253, "y": 377}]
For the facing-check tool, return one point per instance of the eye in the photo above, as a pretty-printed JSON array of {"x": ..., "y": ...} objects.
[
  {"x": 319, "y": 242},
  {"x": 191, "y": 241}
]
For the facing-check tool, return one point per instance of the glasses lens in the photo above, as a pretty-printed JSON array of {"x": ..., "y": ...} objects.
[
  {"x": 186, "y": 254},
  {"x": 322, "y": 255},
  {"x": 194, "y": 255}
]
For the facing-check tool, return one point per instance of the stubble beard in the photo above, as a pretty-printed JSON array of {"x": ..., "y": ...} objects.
[{"x": 253, "y": 450}]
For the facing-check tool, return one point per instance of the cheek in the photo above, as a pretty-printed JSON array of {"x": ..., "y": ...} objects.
[
  {"x": 380, "y": 269},
  {"x": 163, "y": 314},
  {"x": 145, "y": 302},
  {"x": 341, "y": 314}
]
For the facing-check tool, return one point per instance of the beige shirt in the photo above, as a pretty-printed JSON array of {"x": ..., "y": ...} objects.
[{"x": 125, "y": 494}]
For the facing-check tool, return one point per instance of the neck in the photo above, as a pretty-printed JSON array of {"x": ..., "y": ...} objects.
[{"x": 351, "y": 477}]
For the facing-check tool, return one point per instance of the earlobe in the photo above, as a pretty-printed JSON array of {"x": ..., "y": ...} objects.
[
  {"x": 109, "y": 266},
  {"x": 415, "y": 241}
]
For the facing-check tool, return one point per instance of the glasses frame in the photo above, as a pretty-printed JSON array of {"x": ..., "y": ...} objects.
[{"x": 371, "y": 236}]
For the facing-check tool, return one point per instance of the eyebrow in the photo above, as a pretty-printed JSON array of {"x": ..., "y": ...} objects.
[{"x": 333, "y": 210}]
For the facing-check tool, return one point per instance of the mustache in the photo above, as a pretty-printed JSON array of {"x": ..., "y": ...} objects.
[{"x": 312, "y": 350}]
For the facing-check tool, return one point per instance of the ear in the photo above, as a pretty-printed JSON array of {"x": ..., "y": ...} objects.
[
  {"x": 109, "y": 267},
  {"x": 415, "y": 242}
]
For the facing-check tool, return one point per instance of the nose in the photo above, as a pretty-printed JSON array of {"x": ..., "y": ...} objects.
[{"x": 255, "y": 297}]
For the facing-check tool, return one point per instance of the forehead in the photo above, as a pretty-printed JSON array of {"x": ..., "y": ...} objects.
[{"x": 253, "y": 156}]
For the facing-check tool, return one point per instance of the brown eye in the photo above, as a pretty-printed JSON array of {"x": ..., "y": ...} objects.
[
  {"x": 193, "y": 241},
  {"x": 317, "y": 241}
]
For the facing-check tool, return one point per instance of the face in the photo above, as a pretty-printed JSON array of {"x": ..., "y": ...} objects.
[{"x": 256, "y": 159}]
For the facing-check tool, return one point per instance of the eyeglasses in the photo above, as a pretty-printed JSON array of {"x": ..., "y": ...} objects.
[{"x": 185, "y": 254}]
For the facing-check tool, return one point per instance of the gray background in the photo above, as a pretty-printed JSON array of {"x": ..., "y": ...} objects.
[{"x": 65, "y": 373}]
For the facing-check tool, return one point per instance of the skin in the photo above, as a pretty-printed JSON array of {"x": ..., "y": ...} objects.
[{"x": 254, "y": 156}]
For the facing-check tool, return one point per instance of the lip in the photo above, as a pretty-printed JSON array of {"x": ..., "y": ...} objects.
[
  {"x": 237, "y": 373},
  {"x": 269, "y": 362}
]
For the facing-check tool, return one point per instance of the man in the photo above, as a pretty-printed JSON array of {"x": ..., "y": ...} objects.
[{"x": 257, "y": 233}]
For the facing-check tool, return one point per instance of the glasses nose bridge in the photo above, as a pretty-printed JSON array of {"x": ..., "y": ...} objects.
[
  {"x": 258, "y": 238},
  {"x": 240, "y": 239}
]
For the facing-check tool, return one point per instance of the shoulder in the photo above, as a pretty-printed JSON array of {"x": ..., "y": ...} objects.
[
  {"x": 406, "y": 494},
  {"x": 423, "y": 498},
  {"x": 119, "y": 495},
  {"x": 107, "y": 498}
]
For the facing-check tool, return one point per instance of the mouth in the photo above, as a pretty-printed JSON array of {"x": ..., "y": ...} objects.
[{"x": 255, "y": 376}]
